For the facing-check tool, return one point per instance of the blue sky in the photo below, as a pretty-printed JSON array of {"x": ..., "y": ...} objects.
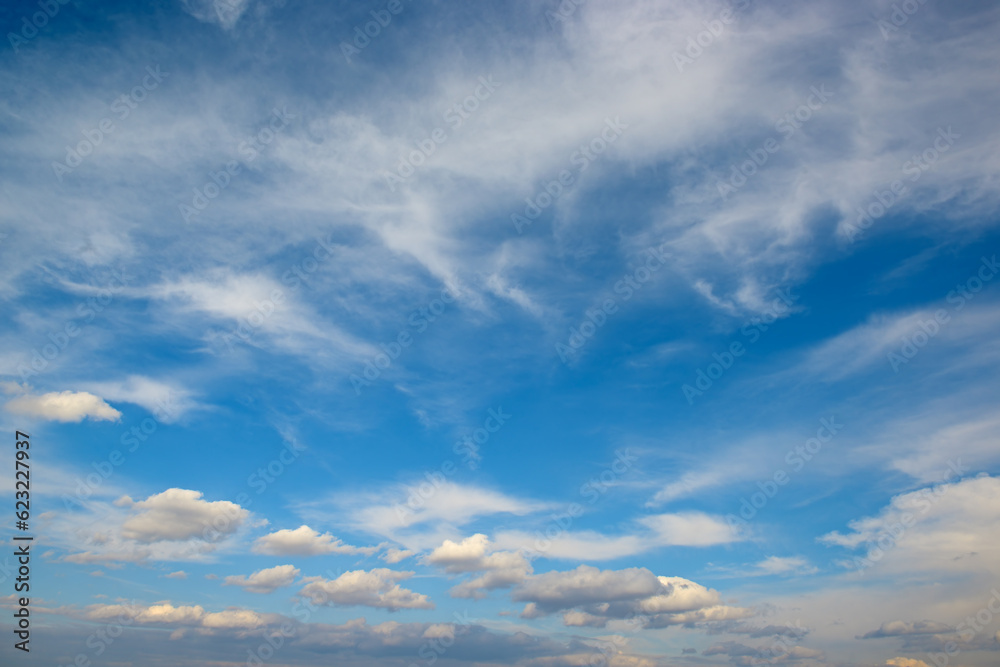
[{"x": 620, "y": 333}]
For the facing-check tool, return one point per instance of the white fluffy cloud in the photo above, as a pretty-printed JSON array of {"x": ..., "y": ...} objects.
[
  {"x": 474, "y": 554},
  {"x": 593, "y": 597},
  {"x": 304, "y": 541},
  {"x": 264, "y": 581},
  {"x": 180, "y": 514},
  {"x": 64, "y": 406},
  {"x": 374, "y": 588}
]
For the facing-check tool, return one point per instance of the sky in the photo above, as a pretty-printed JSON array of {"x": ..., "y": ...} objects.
[{"x": 404, "y": 333}]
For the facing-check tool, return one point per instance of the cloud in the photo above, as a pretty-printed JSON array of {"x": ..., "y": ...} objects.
[
  {"x": 421, "y": 520},
  {"x": 929, "y": 530},
  {"x": 902, "y": 628},
  {"x": 167, "y": 401},
  {"x": 180, "y": 574},
  {"x": 180, "y": 514},
  {"x": 687, "y": 485},
  {"x": 375, "y": 588},
  {"x": 770, "y": 566},
  {"x": 579, "y": 545},
  {"x": 685, "y": 529},
  {"x": 224, "y": 13},
  {"x": 586, "y": 585},
  {"x": 593, "y": 597},
  {"x": 255, "y": 305},
  {"x": 264, "y": 581},
  {"x": 474, "y": 554},
  {"x": 304, "y": 541},
  {"x": 690, "y": 529},
  {"x": 393, "y": 555},
  {"x": 65, "y": 406},
  {"x": 775, "y": 565},
  {"x": 749, "y": 656},
  {"x": 905, "y": 662},
  {"x": 166, "y": 614}
]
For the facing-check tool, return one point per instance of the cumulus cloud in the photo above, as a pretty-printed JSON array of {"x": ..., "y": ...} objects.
[
  {"x": 264, "y": 581},
  {"x": 180, "y": 514},
  {"x": 304, "y": 541},
  {"x": 64, "y": 406},
  {"x": 592, "y": 597},
  {"x": 586, "y": 585},
  {"x": 180, "y": 574},
  {"x": 374, "y": 588},
  {"x": 474, "y": 554},
  {"x": 166, "y": 614}
]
